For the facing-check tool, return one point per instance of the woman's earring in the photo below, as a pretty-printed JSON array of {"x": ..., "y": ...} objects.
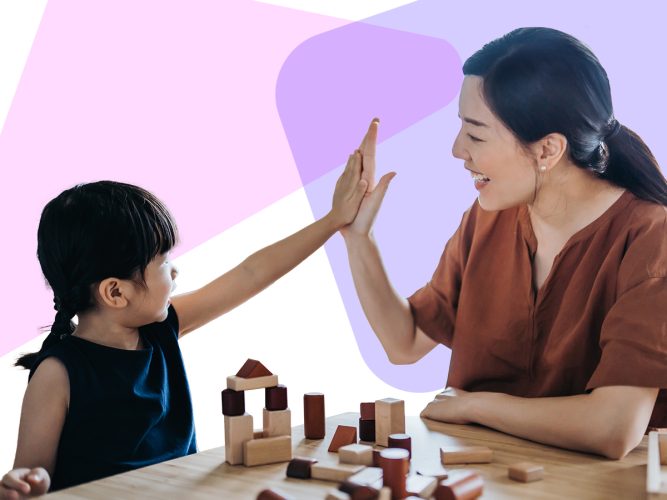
[{"x": 543, "y": 168}]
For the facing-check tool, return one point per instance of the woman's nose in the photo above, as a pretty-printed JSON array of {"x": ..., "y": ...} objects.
[{"x": 458, "y": 151}]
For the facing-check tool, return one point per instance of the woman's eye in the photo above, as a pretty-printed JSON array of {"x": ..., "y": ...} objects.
[{"x": 474, "y": 139}]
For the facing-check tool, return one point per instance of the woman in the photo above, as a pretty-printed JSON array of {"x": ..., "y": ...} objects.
[{"x": 552, "y": 293}]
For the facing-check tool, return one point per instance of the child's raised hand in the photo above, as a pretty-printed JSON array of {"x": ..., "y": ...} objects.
[
  {"x": 23, "y": 482},
  {"x": 349, "y": 192}
]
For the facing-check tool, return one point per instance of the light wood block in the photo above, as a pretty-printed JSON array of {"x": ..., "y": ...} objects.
[
  {"x": 334, "y": 472},
  {"x": 359, "y": 454},
  {"x": 662, "y": 446},
  {"x": 654, "y": 472},
  {"x": 465, "y": 455},
  {"x": 267, "y": 451},
  {"x": 525, "y": 472},
  {"x": 385, "y": 493},
  {"x": 421, "y": 486},
  {"x": 277, "y": 423},
  {"x": 238, "y": 430},
  {"x": 461, "y": 484},
  {"x": 389, "y": 419},
  {"x": 367, "y": 476},
  {"x": 334, "y": 494},
  {"x": 247, "y": 384}
]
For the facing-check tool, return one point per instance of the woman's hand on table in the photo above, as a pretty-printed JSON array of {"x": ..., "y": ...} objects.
[{"x": 451, "y": 405}]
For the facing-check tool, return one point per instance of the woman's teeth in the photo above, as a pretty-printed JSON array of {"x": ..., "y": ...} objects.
[{"x": 480, "y": 178}]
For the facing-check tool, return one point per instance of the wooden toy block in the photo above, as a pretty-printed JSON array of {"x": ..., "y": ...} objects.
[
  {"x": 360, "y": 454},
  {"x": 460, "y": 485},
  {"x": 389, "y": 419},
  {"x": 344, "y": 435},
  {"x": 272, "y": 495},
  {"x": 238, "y": 430},
  {"x": 654, "y": 472},
  {"x": 233, "y": 403},
  {"x": 465, "y": 455},
  {"x": 367, "y": 430},
  {"x": 334, "y": 472},
  {"x": 253, "y": 369},
  {"x": 525, "y": 472},
  {"x": 436, "y": 471},
  {"x": 395, "y": 465},
  {"x": 275, "y": 398},
  {"x": 359, "y": 491},
  {"x": 258, "y": 434},
  {"x": 267, "y": 451},
  {"x": 385, "y": 493},
  {"x": 248, "y": 384},
  {"x": 367, "y": 411},
  {"x": 334, "y": 494},
  {"x": 421, "y": 486},
  {"x": 367, "y": 476},
  {"x": 662, "y": 446},
  {"x": 313, "y": 415},
  {"x": 277, "y": 423},
  {"x": 299, "y": 467},
  {"x": 376, "y": 458},
  {"x": 400, "y": 441}
]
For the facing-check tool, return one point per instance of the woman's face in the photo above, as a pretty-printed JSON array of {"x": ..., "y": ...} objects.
[{"x": 503, "y": 172}]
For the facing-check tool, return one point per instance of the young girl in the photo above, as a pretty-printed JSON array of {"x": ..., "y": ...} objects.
[{"x": 110, "y": 394}]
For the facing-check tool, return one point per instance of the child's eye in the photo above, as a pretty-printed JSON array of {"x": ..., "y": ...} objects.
[{"x": 475, "y": 139}]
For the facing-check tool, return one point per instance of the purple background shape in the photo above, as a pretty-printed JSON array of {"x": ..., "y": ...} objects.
[{"x": 426, "y": 200}]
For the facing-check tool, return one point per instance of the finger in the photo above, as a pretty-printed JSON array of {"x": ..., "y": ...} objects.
[
  {"x": 8, "y": 494},
  {"x": 382, "y": 186},
  {"x": 370, "y": 137},
  {"x": 359, "y": 192},
  {"x": 12, "y": 481}
]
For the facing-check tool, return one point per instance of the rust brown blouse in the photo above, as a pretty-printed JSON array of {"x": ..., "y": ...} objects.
[{"x": 599, "y": 319}]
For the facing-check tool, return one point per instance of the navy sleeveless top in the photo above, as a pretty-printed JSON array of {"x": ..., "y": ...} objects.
[{"x": 127, "y": 409}]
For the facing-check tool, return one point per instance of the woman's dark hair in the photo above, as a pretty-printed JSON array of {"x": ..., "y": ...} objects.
[
  {"x": 92, "y": 232},
  {"x": 539, "y": 80}
]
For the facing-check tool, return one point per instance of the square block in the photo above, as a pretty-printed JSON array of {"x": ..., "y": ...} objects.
[
  {"x": 421, "y": 486},
  {"x": 334, "y": 472},
  {"x": 247, "y": 384},
  {"x": 525, "y": 472},
  {"x": 360, "y": 454},
  {"x": 277, "y": 423},
  {"x": 267, "y": 451},
  {"x": 238, "y": 430},
  {"x": 389, "y": 419},
  {"x": 465, "y": 455}
]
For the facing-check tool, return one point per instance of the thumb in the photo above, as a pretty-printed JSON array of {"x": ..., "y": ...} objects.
[{"x": 383, "y": 184}]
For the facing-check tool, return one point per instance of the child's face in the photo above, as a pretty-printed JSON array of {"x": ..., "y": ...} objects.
[{"x": 154, "y": 301}]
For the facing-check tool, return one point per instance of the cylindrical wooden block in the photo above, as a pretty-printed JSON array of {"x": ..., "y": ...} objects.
[
  {"x": 395, "y": 465},
  {"x": 233, "y": 403},
  {"x": 401, "y": 441},
  {"x": 313, "y": 415},
  {"x": 367, "y": 411},
  {"x": 366, "y": 430},
  {"x": 460, "y": 485},
  {"x": 275, "y": 398}
]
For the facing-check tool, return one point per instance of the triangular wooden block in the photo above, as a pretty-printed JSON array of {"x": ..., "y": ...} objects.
[
  {"x": 253, "y": 369},
  {"x": 343, "y": 436}
]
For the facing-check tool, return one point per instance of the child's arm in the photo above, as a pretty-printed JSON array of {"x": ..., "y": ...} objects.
[
  {"x": 42, "y": 417},
  {"x": 262, "y": 268}
]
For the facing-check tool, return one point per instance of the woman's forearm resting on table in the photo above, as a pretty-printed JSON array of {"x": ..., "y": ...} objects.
[{"x": 610, "y": 421}]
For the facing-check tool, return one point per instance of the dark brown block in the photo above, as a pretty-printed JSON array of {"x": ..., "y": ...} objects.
[
  {"x": 233, "y": 403},
  {"x": 313, "y": 415},
  {"x": 275, "y": 398},
  {"x": 367, "y": 411},
  {"x": 376, "y": 458},
  {"x": 359, "y": 491},
  {"x": 344, "y": 435},
  {"x": 253, "y": 369},
  {"x": 299, "y": 467},
  {"x": 460, "y": 485},
  {"x": 271, "y": 495},
  {"x": 366, "y": 430},
  {"x": 395, "y": 465},
  {"x": 401, "y": 441}
]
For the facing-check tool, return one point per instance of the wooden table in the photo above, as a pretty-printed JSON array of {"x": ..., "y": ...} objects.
[{"x": 207, "y": 476}]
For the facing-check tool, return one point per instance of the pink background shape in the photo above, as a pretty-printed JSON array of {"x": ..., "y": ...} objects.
[{"x": 178, "y": 97}]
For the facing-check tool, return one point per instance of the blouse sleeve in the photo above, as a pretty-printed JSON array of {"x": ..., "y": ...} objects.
[{"x": 434, "y": 305}]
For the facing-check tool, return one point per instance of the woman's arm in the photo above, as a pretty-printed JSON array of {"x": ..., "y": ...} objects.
[
  {"x": 262, "y": 268},
  {"x": 610, "y": 421}
]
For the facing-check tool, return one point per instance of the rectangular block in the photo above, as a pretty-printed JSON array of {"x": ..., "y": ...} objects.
[
  {"x": 334, "y": 472},
  {"x": 313, "y": 415},
  {"x": 421, "y": 486},
  {"x": 334, "y": 494},
  {"x": 367, "y": 476},
  {"x": 465, "y": 455},
  {"x": 267, "y": 451},
  {"x": 389, "y": 419},
  {"x": 525, "y": 472},
  {"x": 662, "y": 446},
  {"x": 238, "y": 430},
  {"x": 359, "y": 454},
  {"x": 277, "y": 423},
  {"x": 247, "y": 384}
]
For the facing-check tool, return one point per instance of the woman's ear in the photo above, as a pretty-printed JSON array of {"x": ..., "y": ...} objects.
[
  {"x": 114, "y": 292},
  {"x": 549, "y": 150}
]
